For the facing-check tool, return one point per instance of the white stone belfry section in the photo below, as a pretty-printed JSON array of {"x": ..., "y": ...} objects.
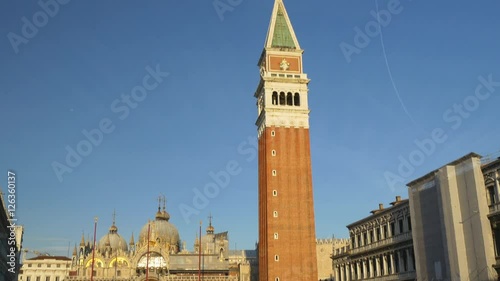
[{"x": 281, "y": 74}]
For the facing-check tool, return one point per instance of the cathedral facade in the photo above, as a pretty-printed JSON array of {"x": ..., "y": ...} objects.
[{"x": 158, "y": 254}]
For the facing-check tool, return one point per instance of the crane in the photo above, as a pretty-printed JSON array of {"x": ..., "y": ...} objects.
[{"x": 35, "y": 252}]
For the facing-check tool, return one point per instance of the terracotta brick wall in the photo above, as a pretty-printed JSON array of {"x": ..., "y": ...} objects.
[{"x": 296, "y": 243}]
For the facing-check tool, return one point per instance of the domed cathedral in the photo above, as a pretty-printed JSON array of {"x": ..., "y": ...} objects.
[{"x": 158, "y": 254}]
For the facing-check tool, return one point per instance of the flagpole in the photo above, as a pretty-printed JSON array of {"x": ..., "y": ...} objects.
[
  {"x": 116, "y": 261},
  {"x": 199, "y": 257},
  {"x": 147, "y": 255},
  {"x": 93, "y": 251}
]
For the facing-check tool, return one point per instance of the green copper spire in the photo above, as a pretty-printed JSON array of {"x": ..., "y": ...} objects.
[
  {"x": 282, "y": 37},
  {"x": 280, "y": 33}
]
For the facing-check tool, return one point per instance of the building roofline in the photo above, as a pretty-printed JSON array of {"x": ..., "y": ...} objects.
[
  {"x": 453, "y": 163},
  {"x": 491, "y": 164},
  {"x": 380, "y": 213},
  {"x": 60, "y": 258}
]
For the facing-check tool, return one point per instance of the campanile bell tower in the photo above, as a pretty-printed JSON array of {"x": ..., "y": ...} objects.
[{"x": 287, "y": 247}]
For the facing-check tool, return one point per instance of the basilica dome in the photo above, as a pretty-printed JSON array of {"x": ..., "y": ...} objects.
[
  {"x": 161, "y": 231},
  {"x": 112, "y": 239}
]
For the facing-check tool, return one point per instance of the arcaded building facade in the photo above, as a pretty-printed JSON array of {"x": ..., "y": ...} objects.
[
  {"x": 287, "y": 240},
  {"x": 381, "y": 246},
  {"x": 491, "y": 173},
  {"x": 452, "y": 234}
]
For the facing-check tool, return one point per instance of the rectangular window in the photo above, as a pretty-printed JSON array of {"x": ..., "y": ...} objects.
[
  {"x": 118, "y": 273},
  {"x": 58, "y": 266},
  {"x": 386, "y": 234},
  {"x": 28, "y": 278},
  {"x": 57, "y": 278},
  {"x": 48, "y": 265},
  {"x": 38, "y": 278},
  {"x": 491, "y": 195},
  {"x": 400, "y": 222},
  {"x": 353, "y": 239},
  {"x": 359, "y": 240},
  {"x": 396, "y": 262},
  {"x": 381, "y": 266},
  {"x": 378, "y": 234},
  {"x": 365, "y": 239},
  {"x": 392, "y": 229},
  {"x": 409, "y": 223},
  {"x": 371, "y": 236},
  {"x": 47, "y": 278}
]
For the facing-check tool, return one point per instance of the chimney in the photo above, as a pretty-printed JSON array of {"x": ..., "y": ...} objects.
[
  {"x": 398, "y": 198},
  {"x": 380, "y": 206}
]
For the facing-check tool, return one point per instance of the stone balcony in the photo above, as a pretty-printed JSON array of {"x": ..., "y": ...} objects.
[
  {"x": 382, "y": 243},
  {"x": 494, "y": 210},
  {"x": 285, "y": 75},
  {"x": 410, "y": 275}
]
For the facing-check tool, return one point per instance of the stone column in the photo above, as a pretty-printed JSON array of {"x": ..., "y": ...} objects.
[
  {"x": 377, "y": 267},
  {"x": 364, "y": 269},
  {"x": 391, "y": 260},
  {"x": 497, "y": 194},
  {"x": 342, "y": 276},
  {"x": 384, "y": 261},
  {"x": 347, "y": 273},
  {"x": 358, "y": 272},
  {"x": 372, "y": 267}
]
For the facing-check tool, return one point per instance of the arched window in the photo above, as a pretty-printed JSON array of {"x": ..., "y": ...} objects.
[
  {"x": 282, "y": 98},
  {"x": 289, "y": 99},
  {"x": 296, "y": 99},
  {"x": 275, "y": 98}
]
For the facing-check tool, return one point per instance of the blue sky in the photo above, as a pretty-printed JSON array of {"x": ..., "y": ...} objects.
[{"x": 66, "y": 78}]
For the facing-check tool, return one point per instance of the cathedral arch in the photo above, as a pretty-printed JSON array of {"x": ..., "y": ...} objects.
[
  {"x": 119, "y": 262},
  {"x": 97, "y": 263},
  {"x": 155, "y": 260}
]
